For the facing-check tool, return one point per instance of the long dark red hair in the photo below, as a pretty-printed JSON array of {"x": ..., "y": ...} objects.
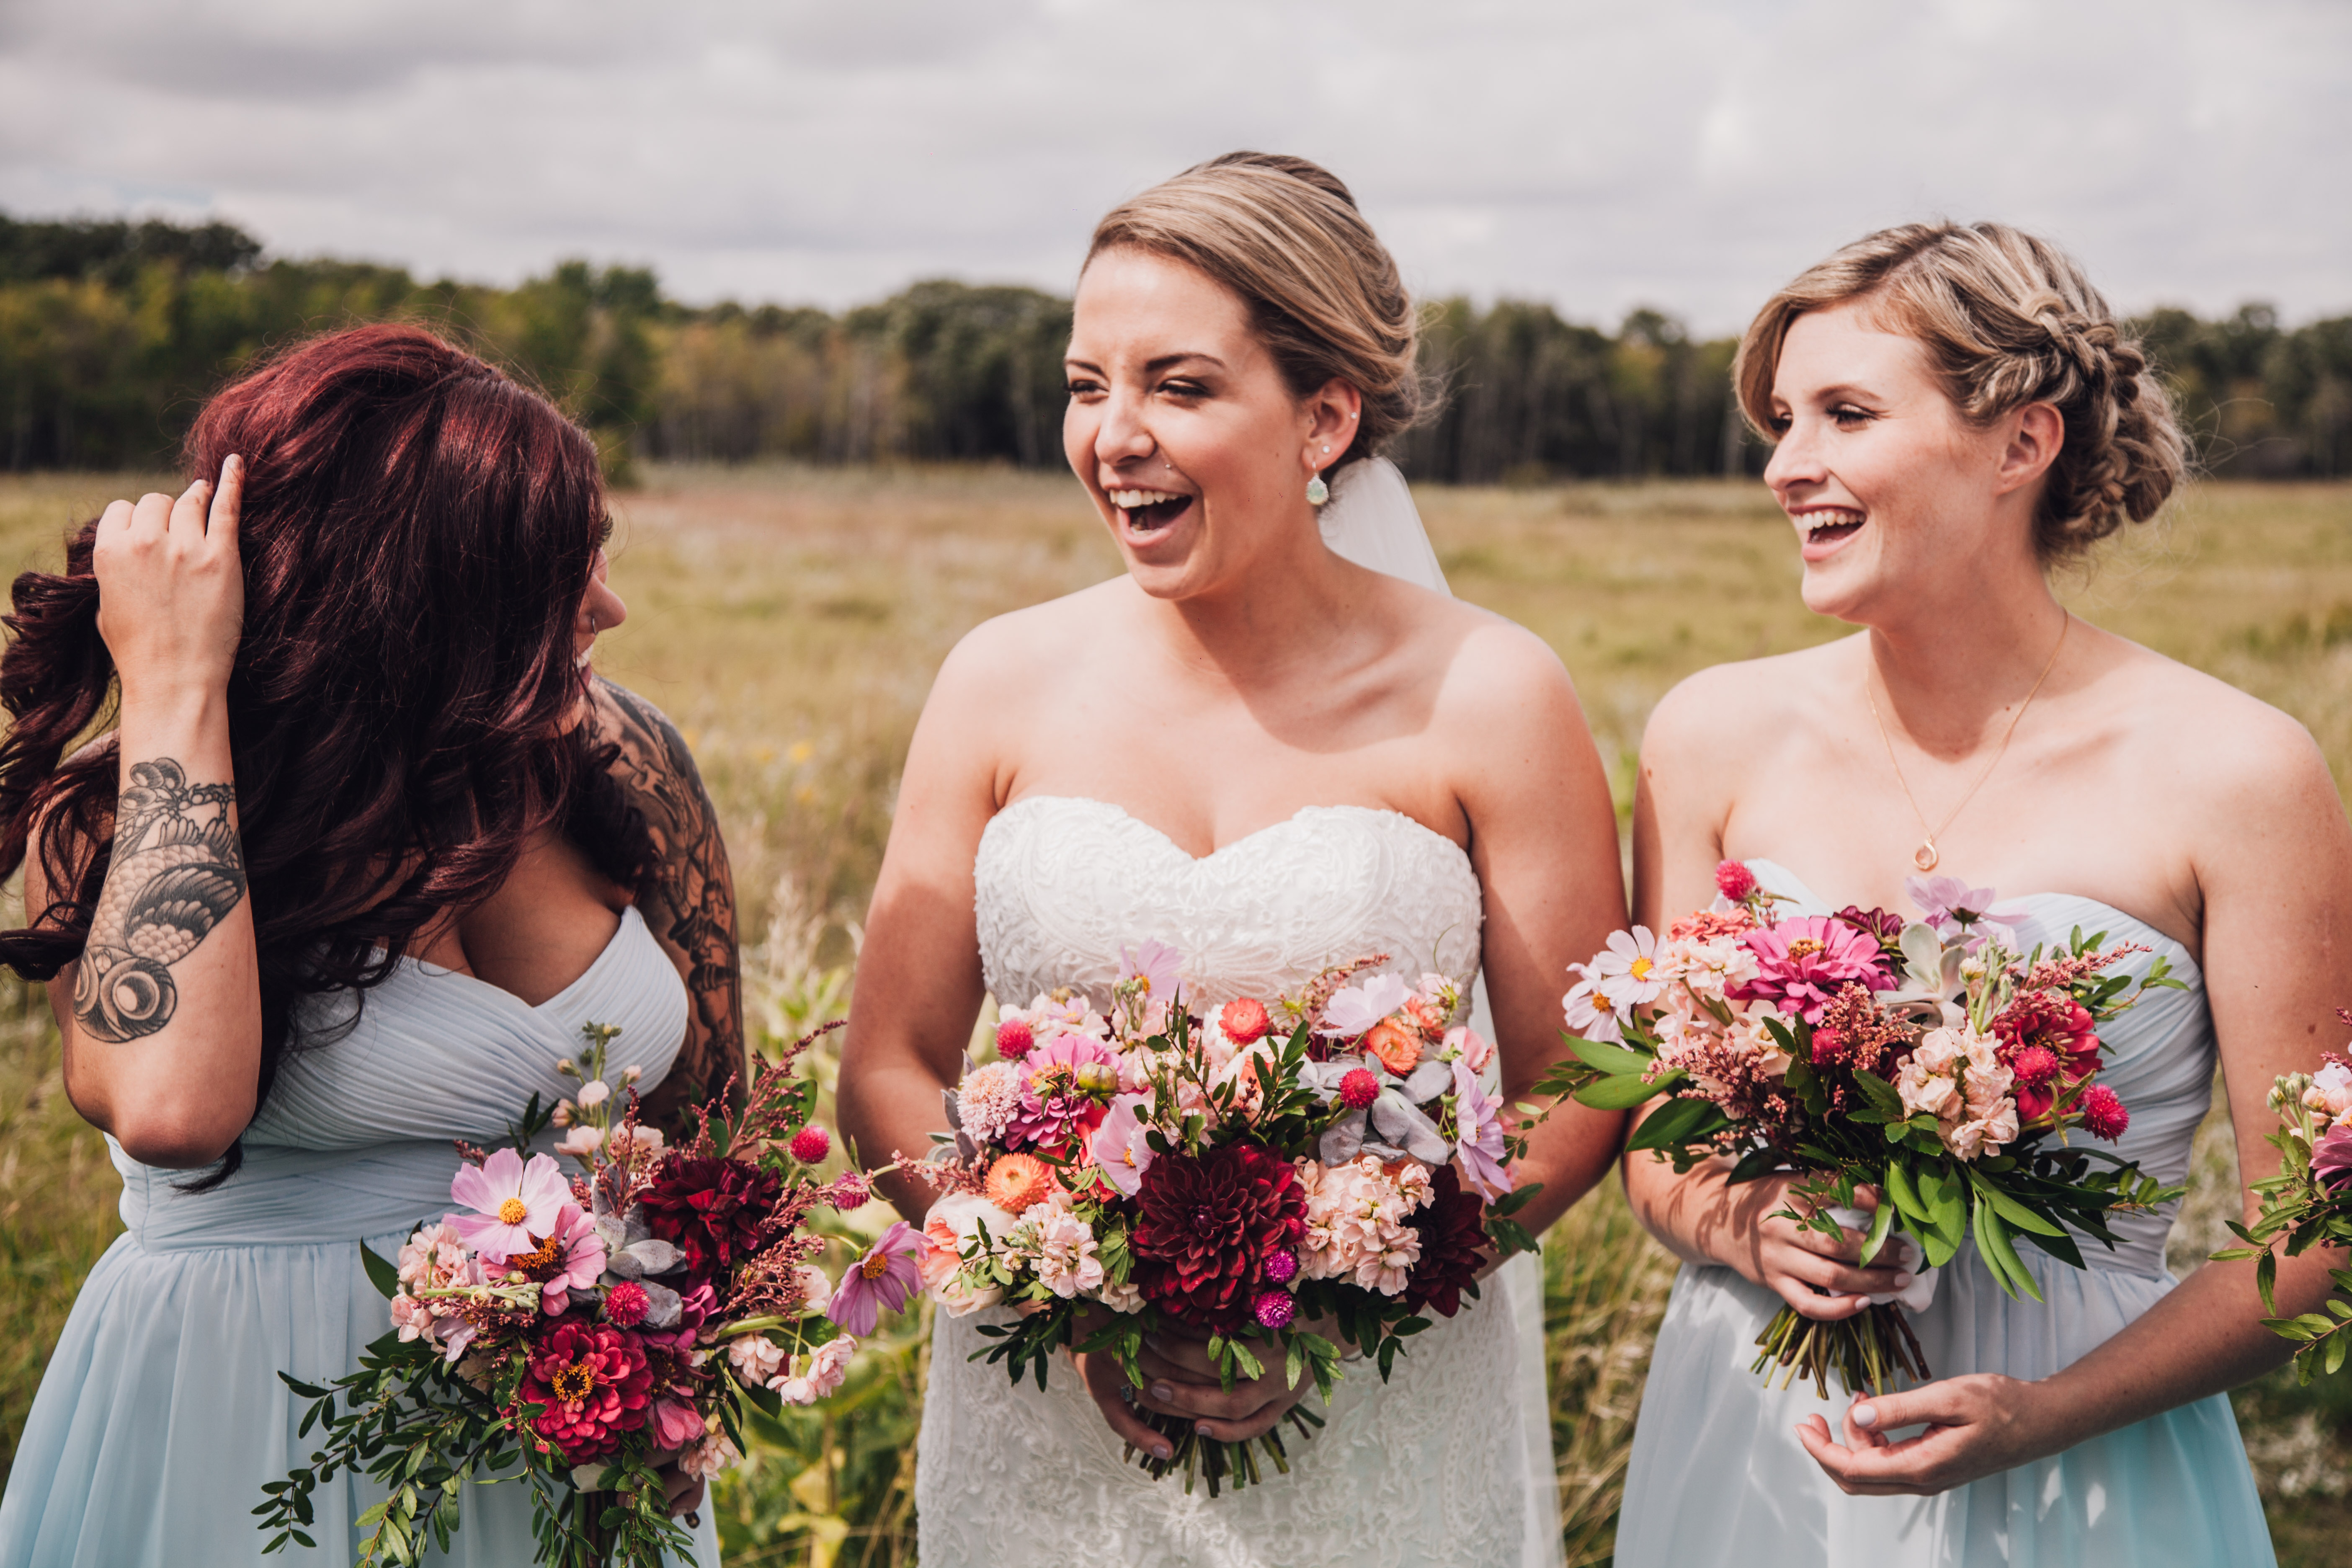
[{"x": 417, "y": 535}]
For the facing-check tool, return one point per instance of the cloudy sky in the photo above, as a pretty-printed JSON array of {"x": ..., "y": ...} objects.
[{"x": 1687, "y": 154}]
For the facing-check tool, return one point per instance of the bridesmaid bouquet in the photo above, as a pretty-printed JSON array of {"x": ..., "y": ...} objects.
[
  {"x": 592, "y": 1328},
  {"x": 2309, "y": 1203},
  {"x": 1927, "y": 1059},
  {"x": 1269, "y": 1178}
]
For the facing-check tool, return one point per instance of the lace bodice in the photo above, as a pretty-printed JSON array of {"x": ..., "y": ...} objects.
[
  {"x": 1064, "y": 883},
  {"x": 1450, "y": 1461}
]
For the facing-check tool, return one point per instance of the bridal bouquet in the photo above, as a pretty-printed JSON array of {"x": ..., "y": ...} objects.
[
  {"x": 1928, "y": 1059},
  {"x": 594, "y": 1327},
  {"x": 1288, "y": 1175},
  {"x": 2309, "y": 1203}
]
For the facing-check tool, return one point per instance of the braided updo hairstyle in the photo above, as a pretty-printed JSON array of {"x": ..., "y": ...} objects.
[
  {"x": 1322, "y": 291},
  {"x": 2007, "y": 320}
]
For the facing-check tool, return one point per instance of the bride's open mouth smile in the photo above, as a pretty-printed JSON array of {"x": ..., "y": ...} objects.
[
  {"x": 1146, "y": 514},
  {"x": 1824, "y": 528}
]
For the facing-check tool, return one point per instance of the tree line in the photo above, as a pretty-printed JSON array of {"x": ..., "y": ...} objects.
[{"x": 112, "y": 332}]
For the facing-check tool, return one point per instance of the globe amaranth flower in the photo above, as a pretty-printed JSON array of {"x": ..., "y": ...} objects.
[
  {"x": 1055, "y": 1108},
  {"x": 811, "y": 1144},
  {"x": 1734, "y": 881},
  {"x": 2103, "y": 1111},
  {"x": 887, "y": 1276},
  {"x": 1206, "y": 1228},
  {"x": 715, "y": 1211},
  {"x": 513, "y": 1202},
  {"x": 596, "y": 1385},
  {"x": 1452, "y": 1230},
  {"x": 1803, "y": 962}
]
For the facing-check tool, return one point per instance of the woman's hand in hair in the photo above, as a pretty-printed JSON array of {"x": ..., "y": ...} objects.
[{"x": 171, "y": 590}]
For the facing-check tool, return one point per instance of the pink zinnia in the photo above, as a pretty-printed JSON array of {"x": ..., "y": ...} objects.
[
  {"x": 1053, "y": 1105},
  {"x": 515, "y": 1204},
  {"x": 595, "y": 1385},
  {"x": 887, "y": 1276},
  {"x": 1804, "y": 962}
]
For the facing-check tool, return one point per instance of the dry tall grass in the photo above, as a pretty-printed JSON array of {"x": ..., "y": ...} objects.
[{"x": 791, "y": 619}]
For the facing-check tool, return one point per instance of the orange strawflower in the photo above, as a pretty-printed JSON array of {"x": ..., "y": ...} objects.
[
  {"x": 1018, "y": 1181},
  {"x": 1398, "y": 1047}
]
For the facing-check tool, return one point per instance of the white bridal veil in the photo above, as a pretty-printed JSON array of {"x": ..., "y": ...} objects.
[{"x": 1372, "y": 520}]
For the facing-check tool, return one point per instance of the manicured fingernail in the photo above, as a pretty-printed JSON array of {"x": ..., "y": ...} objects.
[
  {"x": 1902, "y": 1279},
  {"x": 1163, "y": 1393},
  {"x": 1163, "y": 1450},
  {"x": 1201, "y": 1427},
  {"x": 1865, "y": 1414}
]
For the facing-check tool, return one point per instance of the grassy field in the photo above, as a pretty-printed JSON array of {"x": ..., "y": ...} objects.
[{"x": 790, "y": 621}]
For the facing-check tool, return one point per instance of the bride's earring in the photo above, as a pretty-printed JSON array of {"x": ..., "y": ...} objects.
[{"x": 1318, "y": 492}]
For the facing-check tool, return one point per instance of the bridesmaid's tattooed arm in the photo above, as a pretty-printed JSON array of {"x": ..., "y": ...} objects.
[
  {"x": 688, "y": 896},
  {"x": 178, "y": 870}
]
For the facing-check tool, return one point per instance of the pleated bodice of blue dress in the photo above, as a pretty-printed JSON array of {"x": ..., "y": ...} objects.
[
  {"x": 1717, "y": 1476},
  {"x": 162, "y": 1416}
]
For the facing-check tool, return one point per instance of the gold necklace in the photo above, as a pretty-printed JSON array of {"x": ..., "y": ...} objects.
[{"x": 1925, "y": 857}]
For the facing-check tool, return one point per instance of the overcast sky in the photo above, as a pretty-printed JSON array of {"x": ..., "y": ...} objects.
[{"x": 1686, "y": 153}]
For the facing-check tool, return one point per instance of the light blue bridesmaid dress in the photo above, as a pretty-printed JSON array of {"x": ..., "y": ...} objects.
[
  {"x": 162, "y": 1416},
  {"x": 1717, "y": 1476}
]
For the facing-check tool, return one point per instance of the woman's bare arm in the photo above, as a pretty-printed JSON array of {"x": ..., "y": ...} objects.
[
  {"x": 919, "y": 978},
  {"x": 1543, "y": 837},
  {"x": 161, "y": 1016}
]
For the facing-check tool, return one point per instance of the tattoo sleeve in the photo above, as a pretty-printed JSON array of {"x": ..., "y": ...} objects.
[
  {"x": 689, "y": 893},
  {"x": 177, "y": 872}
]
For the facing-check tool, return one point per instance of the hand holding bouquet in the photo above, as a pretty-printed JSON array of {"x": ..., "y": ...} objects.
[
  {"x": 594, "y": 1327},
  {"x": 1928, "y": 1060},
  {"x": 2308, "y": 1203},
  {"x": 1281, "y": 1179}
]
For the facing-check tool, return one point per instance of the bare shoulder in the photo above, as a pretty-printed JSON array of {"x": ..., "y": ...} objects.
[
  {"x": 1497, "y": 670},
  {"x": 2226, "y": 751},
  {"x": 1745, "y": 708},
  {"x": 1011, "y": 654}
]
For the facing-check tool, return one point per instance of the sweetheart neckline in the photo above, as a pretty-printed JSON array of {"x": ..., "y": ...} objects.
[
  {"x": 1800, "y": 885},
  {"x": 1168, "y": 839},
  {"x": 435, "y": 972}
]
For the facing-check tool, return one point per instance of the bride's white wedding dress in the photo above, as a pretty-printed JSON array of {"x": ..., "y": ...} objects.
[{"x": 1450, "y": 1460}]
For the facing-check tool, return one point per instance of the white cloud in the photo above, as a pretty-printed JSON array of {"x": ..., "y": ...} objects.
[{"x": 1690, "y": 154}]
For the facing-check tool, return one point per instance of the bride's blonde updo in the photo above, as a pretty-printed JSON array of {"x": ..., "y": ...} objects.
[
  {"x": 2007, "y": 320},
  {"x": 1322, "y": 291}
]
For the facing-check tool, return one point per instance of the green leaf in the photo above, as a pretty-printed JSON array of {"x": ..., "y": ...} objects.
[
  {"x": 1614, "y": 1060},
  {"x": 1678, "y": 1121},
  {"x": 1881, "y": 1095},
  {"x": 1881, "y": 1223},
  {"x": 1623, "y": 1092},
  {"x": 2015, "y": 1212},
  {"x": 1992, "y": 1240},
  {"x": 382, "y": 1275}
]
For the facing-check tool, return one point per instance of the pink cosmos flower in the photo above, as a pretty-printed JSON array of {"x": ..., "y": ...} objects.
[
  {"x": 1118, "y": 1146},
  {"x": 887, "y": 1276},
  {"x": 1354, "y": 1009},
  {"x": 1156, "y": 963},
  {"x": 1478, "y": 1136},
  {"x": 512, "y": 1202},
  {"x": 579, "y": 1257},
  {"x": 1802, "y": 963}
]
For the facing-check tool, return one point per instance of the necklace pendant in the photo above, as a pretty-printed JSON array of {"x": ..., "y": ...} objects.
[{"x": 1925, "y": 857}]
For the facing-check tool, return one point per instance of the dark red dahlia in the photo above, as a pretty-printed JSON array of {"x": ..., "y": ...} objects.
[
  {"x": 1452, "y": 1244},
  {"x": 715, "y": 1211},
  {"x": 1207, "y": 1226},
  {"x": 595, "y": 1384}
]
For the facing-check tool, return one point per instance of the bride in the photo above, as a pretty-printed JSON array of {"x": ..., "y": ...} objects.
[{"x": 1272, "y": 758}]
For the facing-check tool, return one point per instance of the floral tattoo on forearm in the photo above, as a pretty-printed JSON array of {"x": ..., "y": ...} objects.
[
  {"x": 689, "y": 891},
  {"x": 178, "y": 870}
]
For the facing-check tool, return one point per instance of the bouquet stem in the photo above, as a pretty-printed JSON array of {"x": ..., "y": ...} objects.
[
  {"x": 1216, "y": 1461},
  {"x": 1867, "y": 1351}
]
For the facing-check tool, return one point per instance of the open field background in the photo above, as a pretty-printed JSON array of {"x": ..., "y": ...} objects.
[{"x": 790, "y": 620}]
